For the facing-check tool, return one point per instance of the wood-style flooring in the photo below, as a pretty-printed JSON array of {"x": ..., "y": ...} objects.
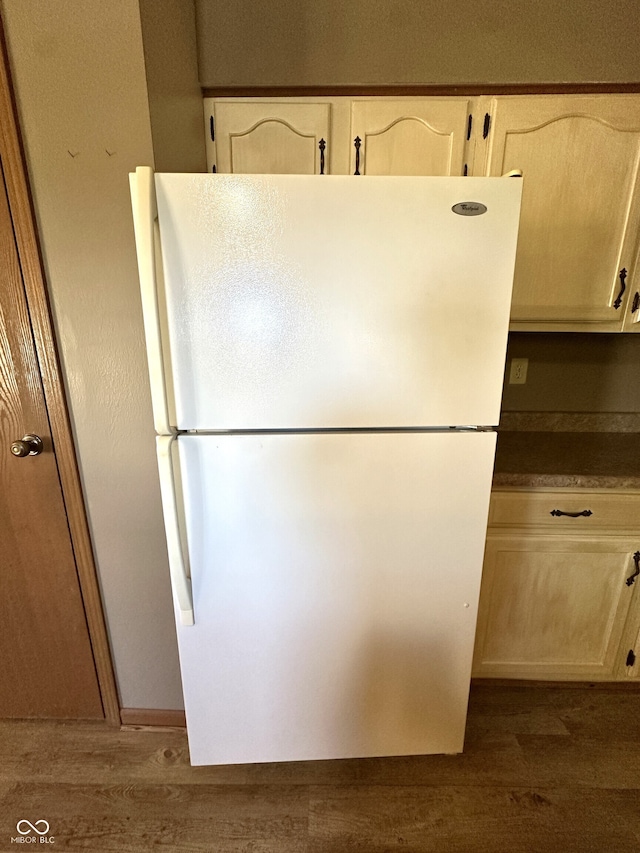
[{"x": 545, "y": 770}]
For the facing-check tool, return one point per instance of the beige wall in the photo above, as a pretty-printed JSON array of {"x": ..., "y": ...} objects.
[
  {"x": 360, "y": 42},
  {"x": 80, "y": 78},
  {"x": 175, "y": 96},
  {"x": 575, "y": 373}
]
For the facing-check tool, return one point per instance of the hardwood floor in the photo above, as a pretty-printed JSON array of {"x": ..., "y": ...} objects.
[{"x": 545, "y": 770}]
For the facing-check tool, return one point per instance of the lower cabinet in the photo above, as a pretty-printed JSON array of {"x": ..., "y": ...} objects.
[{"x": 559, "y": 598}]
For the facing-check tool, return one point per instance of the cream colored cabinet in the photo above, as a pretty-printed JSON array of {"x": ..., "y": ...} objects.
[
  {"x": 553, "y": 608},
  {"x": 338, "y": 136},
  {"x": 559, "y": 600},
  {"x": 264, "y": 137},
  {"x": 409, "y": 137},
  {"x": 576, "y": 265}
]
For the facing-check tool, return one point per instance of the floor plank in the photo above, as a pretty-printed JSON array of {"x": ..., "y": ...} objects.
[
  {"x": 492, "y": 759},
  {"x": 466, "y": 819},
  {"x": 138, "y": 817},
  {"x": 544, "y": 770}
]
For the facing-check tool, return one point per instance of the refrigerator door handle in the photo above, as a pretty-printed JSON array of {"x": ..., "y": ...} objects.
[
  {"x": 178, "y": 558},
  {"x": 147, "y": 235}
]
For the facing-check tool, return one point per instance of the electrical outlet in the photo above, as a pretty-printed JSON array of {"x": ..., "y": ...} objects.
[{"x": 518, "y": 372}]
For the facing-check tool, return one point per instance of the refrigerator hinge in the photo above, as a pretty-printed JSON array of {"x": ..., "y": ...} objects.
[
  {"x": 631, "y": 658},
  {"x": 487, "y": 125},
  {"x": 469, "y": 126},
  {"x": 212, "y": 129}
]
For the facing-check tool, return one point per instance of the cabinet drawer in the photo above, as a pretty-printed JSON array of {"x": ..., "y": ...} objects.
[{"x": 609, "y": 509}]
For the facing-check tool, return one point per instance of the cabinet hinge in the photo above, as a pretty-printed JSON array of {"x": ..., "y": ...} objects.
[
  {"x": 212, "y": 129},
  {"x": 487, "y": 125},
  {"x": 631, "y": 658},
  {"x": 469, "y": 126}
]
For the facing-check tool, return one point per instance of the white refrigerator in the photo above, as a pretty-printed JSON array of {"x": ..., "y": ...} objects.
[{"x": 326, "y": 358}]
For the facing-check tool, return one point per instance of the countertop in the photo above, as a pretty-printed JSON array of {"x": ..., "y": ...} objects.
[{"x": 564, "y": 450}]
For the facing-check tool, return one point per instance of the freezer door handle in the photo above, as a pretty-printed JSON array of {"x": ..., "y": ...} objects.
[
  {"x": 171, "y": 492},
  {"x": 147, "y": 234}
]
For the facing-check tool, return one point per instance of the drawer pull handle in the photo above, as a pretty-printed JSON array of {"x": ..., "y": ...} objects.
[
  {"x": 585, "y": 512},
  {"x": 636, "y": 560}
]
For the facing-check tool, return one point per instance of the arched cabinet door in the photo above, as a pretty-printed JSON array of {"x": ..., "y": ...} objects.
[
  {"x": 271, "y": 138},
  {"x": 579, "y": 155},
  {"x": 425, "y": 137}
]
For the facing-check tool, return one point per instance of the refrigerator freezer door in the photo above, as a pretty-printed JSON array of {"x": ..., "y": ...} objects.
[
  {"x": 335, "y": 581},
  {"x": 302, "y": 301}
]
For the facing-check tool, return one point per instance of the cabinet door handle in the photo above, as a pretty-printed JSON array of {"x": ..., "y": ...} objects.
[
  {"x": 357, "y": 142},
  {"x": 322, "y": 145},
  {"x": 636, "y": 302},
  {"x": 622, "y": 275},
  {"x": 636, "y": 560},
  {"x": 585, "y": 512}
]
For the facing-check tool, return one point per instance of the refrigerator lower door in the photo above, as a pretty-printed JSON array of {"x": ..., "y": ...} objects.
[{"x": 335, "y": 587}]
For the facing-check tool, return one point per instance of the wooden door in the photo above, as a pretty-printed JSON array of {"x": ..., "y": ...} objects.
[
  {"x": 271, "y": 138},
  {"x": 423, "y": 137},
  {"x": 579, "y": 157},
  {"x": 553, "y": 607},
  {"x": 47, "y": 663}
]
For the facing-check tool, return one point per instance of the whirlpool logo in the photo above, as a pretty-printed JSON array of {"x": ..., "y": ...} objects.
[
  {"x": 33, "y": 833},
  {"x": 469, "y": 208}
]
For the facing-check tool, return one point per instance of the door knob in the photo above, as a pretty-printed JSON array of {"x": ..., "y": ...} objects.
[{"x": 29, "y": 445}]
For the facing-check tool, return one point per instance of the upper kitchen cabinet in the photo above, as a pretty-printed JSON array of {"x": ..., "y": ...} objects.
[
  {"x": 263, "y": 137},
  {"x": 409, "y": 137},
  {"x": 576, "y": 266},
  {"x": 340, "y": 136}
]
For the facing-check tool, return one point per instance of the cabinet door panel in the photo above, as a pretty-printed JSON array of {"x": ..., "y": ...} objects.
[
  {"x": 425, "y": 137},
  {"x": 553, "y": 608},
  {"x": 579, "y": 157},
  {"x": 629, "y": 656},
  {"x": 271, "y": 138}
]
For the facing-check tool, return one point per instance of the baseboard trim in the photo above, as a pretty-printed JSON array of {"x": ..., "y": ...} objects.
[
  {"x": 581, "y": 685},
  {"x": 152, "y": 717}
]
